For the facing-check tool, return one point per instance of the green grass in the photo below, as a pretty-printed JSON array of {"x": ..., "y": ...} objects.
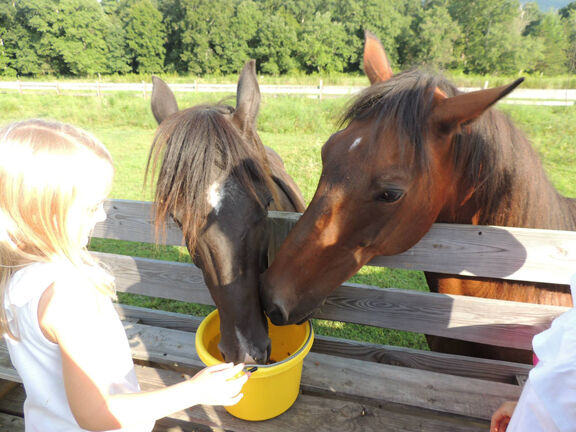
[{"x": 296, "y": 127}]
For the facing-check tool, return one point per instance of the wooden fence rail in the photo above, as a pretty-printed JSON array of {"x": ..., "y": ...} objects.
[
  {"x": 519, "y": 96},
  {"x": 442, "y": 315}
]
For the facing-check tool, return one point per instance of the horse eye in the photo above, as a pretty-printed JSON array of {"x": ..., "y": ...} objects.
[{"x": 390, "y": 195}]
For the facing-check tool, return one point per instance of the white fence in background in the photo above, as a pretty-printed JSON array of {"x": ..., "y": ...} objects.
[{"x": 518, "y": 96}]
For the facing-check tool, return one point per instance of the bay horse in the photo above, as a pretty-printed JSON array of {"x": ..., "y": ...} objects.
[
  {"x": 217, "y": 180},
  {"x": 415, "y": 151}
]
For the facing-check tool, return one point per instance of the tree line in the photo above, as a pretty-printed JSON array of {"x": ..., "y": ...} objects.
[{"x": 88, "y": 37}]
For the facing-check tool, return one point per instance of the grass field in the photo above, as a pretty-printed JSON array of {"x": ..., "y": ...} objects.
[{"x": 296, "y": 127}]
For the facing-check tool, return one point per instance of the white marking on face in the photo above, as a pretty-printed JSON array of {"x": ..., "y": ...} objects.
[
  {"x": 355, "y": 144},
  {"x": 216, "y": 196}
]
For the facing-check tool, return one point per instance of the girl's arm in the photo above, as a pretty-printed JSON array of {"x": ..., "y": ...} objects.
[{"x": 74, "y": 318}]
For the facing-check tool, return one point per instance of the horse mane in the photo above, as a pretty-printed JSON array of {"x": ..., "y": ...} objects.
[
  {"x": 185, "y": 149},
  {"x": 492, "y": 156}
]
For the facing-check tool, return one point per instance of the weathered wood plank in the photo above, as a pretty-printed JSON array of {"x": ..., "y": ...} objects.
[
  {"x": 350, "y": 378},
  {"x": 491, "y": 370},
  {"x": 471, "y": 250},
  {"x": 426, "y": 360},
  {"x": 165, "y": 279},
  {"x": 458, "y": 317},
  {"x": 10, "y": 423},
  {"x": 134, "y": 221},
  {"x": 494, "y": 322},
  {"x": 343, "y": 378},
  {"x": 311, "y": 412},
  {"x": 485, "y": 251}
]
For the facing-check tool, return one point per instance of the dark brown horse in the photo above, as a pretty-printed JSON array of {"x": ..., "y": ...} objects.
[
  {"x": 415, "y": 151},
  {"x": 218, "y": 181}
]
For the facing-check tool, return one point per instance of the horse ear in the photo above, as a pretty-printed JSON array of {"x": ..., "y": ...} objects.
[
  {"x": 451, "y": 112},
  {"x": 376, "y": 65},
  {"x": 163, "y": 100},
  {"x": 247, "y": 97}
]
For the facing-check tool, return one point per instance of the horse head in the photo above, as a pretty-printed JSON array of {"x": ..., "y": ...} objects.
[
  {"x": 214, "y": 179},
  {"x": 386, "y": 178}
]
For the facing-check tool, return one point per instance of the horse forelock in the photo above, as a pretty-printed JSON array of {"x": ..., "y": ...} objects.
[
  {"x": 402, "y": 104},
  {"x": 190, "y": 149}
]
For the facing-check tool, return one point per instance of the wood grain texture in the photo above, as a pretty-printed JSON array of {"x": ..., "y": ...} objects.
[
  {"x": 484, "y": 251},
  {"x": 314, "y": 413},
  {"x": 336, "y": 377},
  {"x": 494, "y": 322},
  {"x": 348, "y": 385},
  {"x": 491, "y": 370}
]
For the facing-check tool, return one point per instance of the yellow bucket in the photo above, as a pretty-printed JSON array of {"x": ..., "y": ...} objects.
[{"x": 273, "y": 388}]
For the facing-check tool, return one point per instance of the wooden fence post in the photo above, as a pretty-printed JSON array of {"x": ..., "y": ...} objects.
[
  {"x": 279, "y": 225},
  {"x": 98, "y": 90}
]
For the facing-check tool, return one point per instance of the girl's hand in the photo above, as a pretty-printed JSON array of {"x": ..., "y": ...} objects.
[
  {"x": 501, "y": 417},
  {"x": 219, "y": 384}
]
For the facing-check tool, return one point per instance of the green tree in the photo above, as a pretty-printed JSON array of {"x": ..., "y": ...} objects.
[
  {"x": 57, "y": 36},
  {"x": 235, "y": 46},
  {"x": 199, "y": 31},
  {"x": 570, "y": 25},
  {"x": 144, "y": 35},
  {"x": 436, "y": 33},
  {"x": 10, "y": 35},
  {"x": 324, "y": 44},
  {"x": 531, "y": 17},
  {"x": 568, "y": 10},
  {"x": 491, "y": 34},
  {"x": 385, "y": 18},
  {"x": 117, "y": 58},
  {"x": 78, "y": 37},
  {"x": 555, "y": 41},
  {"x": 275, "y": 46}
]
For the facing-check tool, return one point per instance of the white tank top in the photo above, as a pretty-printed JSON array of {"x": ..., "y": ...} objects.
[
  {"x": 38, "y": 360},
  {"x": 548, "y": 399}
]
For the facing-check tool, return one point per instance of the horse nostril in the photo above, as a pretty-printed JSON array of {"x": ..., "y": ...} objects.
[{"x": 277, "y": 314}]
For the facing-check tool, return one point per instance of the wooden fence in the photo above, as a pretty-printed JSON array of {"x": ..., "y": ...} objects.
[
  {"x": 519, "y": 96},
  {"x": 348, "y": 385}
]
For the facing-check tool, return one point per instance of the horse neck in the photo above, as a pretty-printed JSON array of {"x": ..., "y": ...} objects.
[{"x": 518, "y": 192}]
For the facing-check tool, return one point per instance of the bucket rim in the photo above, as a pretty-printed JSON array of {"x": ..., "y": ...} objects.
[
  {"x": 302, "y": 350},
  {"x": 304, "y": 347}
]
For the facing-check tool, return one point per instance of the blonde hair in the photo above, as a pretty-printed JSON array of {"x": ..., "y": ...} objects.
[{"x": 45, "y": 167}]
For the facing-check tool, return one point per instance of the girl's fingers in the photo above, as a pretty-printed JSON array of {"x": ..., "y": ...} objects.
[
  {"x": 220, "y": 367},
  {"x": 233, "y": 371},
  {"x": 234, "y": 400}
]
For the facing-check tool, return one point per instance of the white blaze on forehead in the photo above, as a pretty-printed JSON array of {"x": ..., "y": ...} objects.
[
  {"x": 355, "y": 144},
  {"x": 215, "y": 196}
]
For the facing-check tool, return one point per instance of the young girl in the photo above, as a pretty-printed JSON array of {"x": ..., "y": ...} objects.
[
  {"x": 62, "y": 331},
  {"x": 548, "y": 400}
]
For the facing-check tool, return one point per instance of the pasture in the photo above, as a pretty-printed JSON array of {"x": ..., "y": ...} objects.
[{"x": 296, "y": 128}]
